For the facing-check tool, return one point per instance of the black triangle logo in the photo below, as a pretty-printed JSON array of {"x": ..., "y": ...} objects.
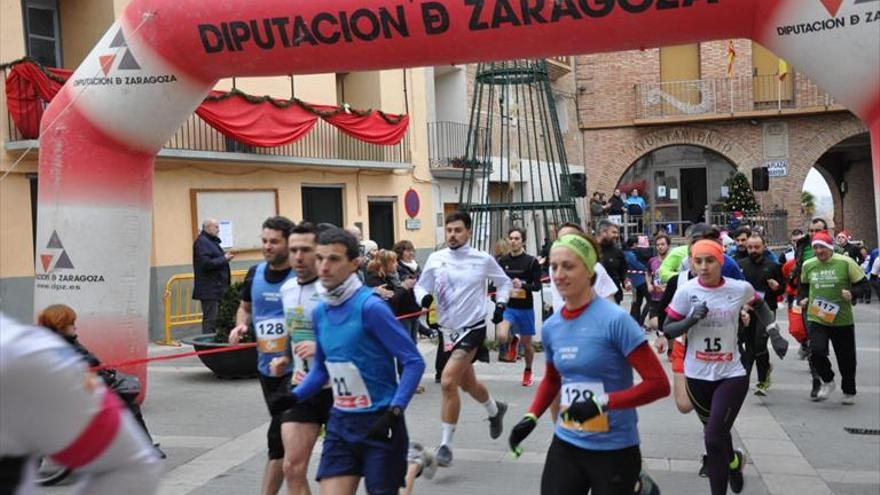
[
  {"x": 63, "y": 261},
  {"x": 118, "y": 40},
  {"x": 54, "y": 241},
  {"x": 128, "y": 62}
]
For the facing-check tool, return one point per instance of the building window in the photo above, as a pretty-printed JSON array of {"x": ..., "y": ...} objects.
[
  {"x": 42, "y": 31},
  {"x": 322, "y": 204},
  {"x": 678, "y": 182}
]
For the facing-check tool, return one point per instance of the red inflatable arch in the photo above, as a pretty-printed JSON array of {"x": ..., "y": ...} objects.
[{"x": 159, "y": 60}]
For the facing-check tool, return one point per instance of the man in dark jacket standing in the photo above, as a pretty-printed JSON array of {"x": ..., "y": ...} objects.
[
  {"x": 611, "y": 256},
  {"x": 211, "y": 271}
]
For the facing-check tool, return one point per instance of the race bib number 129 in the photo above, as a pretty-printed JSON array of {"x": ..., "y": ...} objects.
[{"x": 581, "y": 391}]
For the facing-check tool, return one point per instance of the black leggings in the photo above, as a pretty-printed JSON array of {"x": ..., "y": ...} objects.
[
  {"x": 717, "y": 404},
  {"x": 844, "y": 341},
  {"x": 569, "y": 469},
  {"x": 640, "y": 295}
]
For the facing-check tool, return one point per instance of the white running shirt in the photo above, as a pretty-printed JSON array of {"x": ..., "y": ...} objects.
[
  {"x": 712, "y": 350},
  {"x": 299, "y": 303},
  {"x": 457, "y": 279}
]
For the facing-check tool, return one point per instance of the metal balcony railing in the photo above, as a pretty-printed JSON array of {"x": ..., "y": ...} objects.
[
  {"x": 729, "y": 96},
  {"x": 323, "y": 142},
  {"x": 447, "y": 144}
]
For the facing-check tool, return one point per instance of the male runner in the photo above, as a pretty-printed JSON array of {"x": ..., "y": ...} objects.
[
  {"x": 261, "y": 305},
  {"x": 828, "y": 284},
  {"x": 525, "y": 274},
  {"x": 301, "y": 424},
  {"x": 358, "y": 338},
  {"x": 457, "y": 274}
]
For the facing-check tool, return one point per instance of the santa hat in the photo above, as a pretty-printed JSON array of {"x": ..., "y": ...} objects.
[
  {"x": 845, "y": 234},
  {"x": 822, "y": 239}
]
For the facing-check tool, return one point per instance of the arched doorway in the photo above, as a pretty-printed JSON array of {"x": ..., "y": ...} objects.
[
  {"x": 820, "y": 197},
  {"x": 846, "y": 167},
  {"x": 678, "y": 182}
]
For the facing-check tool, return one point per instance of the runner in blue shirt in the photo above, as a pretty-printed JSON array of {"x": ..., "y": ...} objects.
[
  {"x": 358, "y": 338},
  {"x": 591, "y": 348}
]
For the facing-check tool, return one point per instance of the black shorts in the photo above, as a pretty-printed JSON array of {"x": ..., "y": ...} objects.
[
  {"x": 273, "y": 386},
  {"x": 314, "y": 410},
  {"x": 475, "y": 339},
  {"x": 569, "y": 469}
]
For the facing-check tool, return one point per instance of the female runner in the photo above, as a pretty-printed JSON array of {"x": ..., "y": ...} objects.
[
  {"x": 591, "y": 348},
  {"x": 708, "y": 309}
]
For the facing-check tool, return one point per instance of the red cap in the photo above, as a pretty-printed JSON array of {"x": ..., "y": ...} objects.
[
  {"x": 845, "y": 234},
  {"x": 822, "y": 239}
]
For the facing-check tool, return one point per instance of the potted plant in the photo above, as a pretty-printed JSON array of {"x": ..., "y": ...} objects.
[{"x": 241, "y": 363}]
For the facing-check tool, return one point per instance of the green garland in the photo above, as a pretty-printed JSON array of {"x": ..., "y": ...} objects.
[{"x": 255, "y": 100}]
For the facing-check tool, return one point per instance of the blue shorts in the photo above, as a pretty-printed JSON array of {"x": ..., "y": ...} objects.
[
  {"x": 347, "y": 452},
  {"x": 522, "y": 321}
]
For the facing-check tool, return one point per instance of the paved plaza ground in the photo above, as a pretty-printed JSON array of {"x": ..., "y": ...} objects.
[{"x": 214, "y": 432}]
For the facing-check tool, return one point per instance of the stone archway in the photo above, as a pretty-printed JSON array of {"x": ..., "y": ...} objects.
[
  {"x": 704, "y": 137},
  {"x": 835, "y": 193}
]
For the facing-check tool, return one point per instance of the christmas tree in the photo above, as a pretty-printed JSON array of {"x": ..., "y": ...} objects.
[{"x": 740, "y": 196}]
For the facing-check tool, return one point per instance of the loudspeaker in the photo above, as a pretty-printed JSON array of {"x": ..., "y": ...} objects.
[
  {"x": 578, "y": 183},
  {"x": 760, "y": 179}
]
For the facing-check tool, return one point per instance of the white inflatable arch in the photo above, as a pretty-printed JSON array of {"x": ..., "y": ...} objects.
[{"x": 159, "y": 60}]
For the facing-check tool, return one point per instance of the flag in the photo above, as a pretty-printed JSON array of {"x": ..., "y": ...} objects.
[
  {"x": 731, "y": 57},
  {"x": 783, "y": 69}
]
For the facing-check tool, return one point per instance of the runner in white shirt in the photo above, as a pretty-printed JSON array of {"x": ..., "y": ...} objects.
[
  {"x": 708, "y": 308},
  {"x": 457, "y": 274},
  {"x": 301, "y": 424},
  {"x": 51, "y": 405}
]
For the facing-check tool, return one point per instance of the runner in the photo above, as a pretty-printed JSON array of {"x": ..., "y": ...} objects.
[
  {"x": 741, "y": 236},
  {"x": 358, "y": 338},
  {"x": 655, "y": 286},
  {"x": 766, "y": 278},
  {"x": 828, "y": 284},
  {"x": 678, "y": 258},
  {"x": 457, "y": 274},
  {"x": 591, "y": 347},
  {"x": 52, "y": 405},
  {"x": 261, "y": 305},
  {"x": 519, "y": 316},
  {"x": 708, "y": 309},
  {"x": 301, "y": 424}
]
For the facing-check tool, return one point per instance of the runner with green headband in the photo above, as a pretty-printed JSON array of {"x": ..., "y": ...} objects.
[{"x": 591, "y": 348}]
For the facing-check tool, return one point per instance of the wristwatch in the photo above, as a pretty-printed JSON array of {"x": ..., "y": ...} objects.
[{"x": 396, "y": 411}]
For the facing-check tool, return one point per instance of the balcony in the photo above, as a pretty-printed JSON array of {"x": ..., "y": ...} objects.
[
  {"x": 447, "y": 145},
  {"x": 558, "y": 66},
  {"x": 324, "y": 146},
  {"x": 738, "y": 97}
]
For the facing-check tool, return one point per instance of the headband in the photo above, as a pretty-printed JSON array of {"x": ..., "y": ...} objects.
[
  {"x": 580, "y": 247},
  {"x": 705, "y": 246}
]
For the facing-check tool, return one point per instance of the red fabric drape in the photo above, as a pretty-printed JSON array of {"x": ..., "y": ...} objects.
[
  {"x": 28, "y": 91},
  {"x": 261, "y": 122}
]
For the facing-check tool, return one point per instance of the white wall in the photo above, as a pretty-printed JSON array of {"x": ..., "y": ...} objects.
[{"x": 450, "y": 94}]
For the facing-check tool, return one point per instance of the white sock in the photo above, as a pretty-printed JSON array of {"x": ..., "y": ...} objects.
[
  {"x": 491, "y": 407},
  {"x": 448, "y": 432}
]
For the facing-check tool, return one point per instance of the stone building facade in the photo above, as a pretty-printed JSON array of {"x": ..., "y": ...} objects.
[{"x": 629, "y": 107}]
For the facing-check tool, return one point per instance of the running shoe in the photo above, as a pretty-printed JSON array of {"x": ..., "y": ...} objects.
[
  {"x": 496, "y": 423},
  {"x": 443, "y": 456},
  {"x": 736, "y": 475},
  {"x": 511, "y": 349},
  {"x": 527, "y": 378},
  {"x": 803, "y": 352},
  {"x": 848, "y": 399},
  {"x": 763, "y": 387},
  {"x": 825, "y": 391},
  {"x": 430, "y": 464},
  {"x": 704, "y": 473},
  {"x": 646, "y": 485}
]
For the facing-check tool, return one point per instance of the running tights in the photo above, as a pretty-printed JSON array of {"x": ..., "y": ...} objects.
[{"x": 717, "y": 404}]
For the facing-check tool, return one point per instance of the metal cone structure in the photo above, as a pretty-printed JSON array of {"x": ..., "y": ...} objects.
[{"x": 516, "y": 170}]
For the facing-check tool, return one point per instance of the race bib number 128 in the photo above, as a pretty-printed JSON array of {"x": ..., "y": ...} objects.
[
  {"x": 581, "y": 391},
  {"x": 271, "y": 335}
]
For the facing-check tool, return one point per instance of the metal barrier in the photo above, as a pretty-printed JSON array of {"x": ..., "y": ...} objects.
[{"x": 180, "y": 308}]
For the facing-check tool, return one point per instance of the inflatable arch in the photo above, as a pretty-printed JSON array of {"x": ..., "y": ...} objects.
[{"x": 159, "y": 60}]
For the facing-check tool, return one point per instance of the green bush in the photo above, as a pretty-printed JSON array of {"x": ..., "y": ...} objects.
[{"x": 225, "y": 320}]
